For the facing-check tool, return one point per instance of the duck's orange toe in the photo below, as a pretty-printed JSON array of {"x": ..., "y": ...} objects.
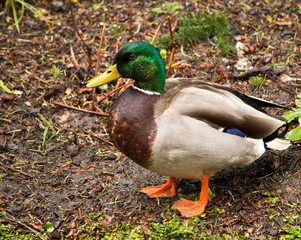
[
  {"x": 167, "y": 189},
  {"x": 189, "y": 208}
]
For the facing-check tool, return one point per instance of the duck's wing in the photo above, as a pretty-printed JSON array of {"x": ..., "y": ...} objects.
[
  {"x": 219, "y": 106},
  {"x": 255, "y": 102},
  {"x": 264, "y": 103}
]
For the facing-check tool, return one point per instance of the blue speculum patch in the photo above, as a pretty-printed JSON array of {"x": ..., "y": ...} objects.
[{"x": 234, "y": 131}]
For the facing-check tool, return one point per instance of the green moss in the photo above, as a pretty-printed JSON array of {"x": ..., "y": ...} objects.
[
  {"x": 195, "y": 27},
  {"x": 293, "y": 232},
  {"x": 175, "y": 228},
  {"x": 168, "y": 8},
  {"x": 291, "y": 115},
  {"x": 7, "y": 232}
]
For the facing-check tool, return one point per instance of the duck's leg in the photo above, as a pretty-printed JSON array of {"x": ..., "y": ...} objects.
[
  {"x": 167, "y": 189},
  {"x": 190, "y": 208}
]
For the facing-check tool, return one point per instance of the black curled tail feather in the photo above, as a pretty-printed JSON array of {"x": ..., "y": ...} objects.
[
  {"x": 277, "y": 133},
  {"x": 277, "y": 140}
]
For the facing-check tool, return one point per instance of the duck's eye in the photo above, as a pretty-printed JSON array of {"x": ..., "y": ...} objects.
[{"x": 132, "y": 56}]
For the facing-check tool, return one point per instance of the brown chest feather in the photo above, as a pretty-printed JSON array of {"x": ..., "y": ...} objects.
[{"x": 132, "y": 126}]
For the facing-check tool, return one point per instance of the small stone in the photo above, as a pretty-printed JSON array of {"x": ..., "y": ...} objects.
[
  {"x": 34, "y": 110},
  {"x": 238, "y": 207},
  {"x": 278, "y": 69},
  {"x": 57, "y": 6},
  {"x": 287, "y": 32},
  {"x": 273, "y": 232},
  {"x": 267, "y": 59},
  {"x": 55, "y": 183},
  {"x": 240, "y": 49},
  {"x": 85, "y": 164},
  {"x": 57, "y": 223},
  {"x": 286, "y": 78},
  {"x": 72, "y": 150},
  {"x": 12, "y": 147},
  {"x": 243, "y": 64},
  {"x": 97, "y": 13},
  {"x": 10, "y": 196},
  {"x": 76, "y": 161}
]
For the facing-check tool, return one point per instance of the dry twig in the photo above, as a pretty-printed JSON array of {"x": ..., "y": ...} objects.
[
  {"x": 26, "y": 226},
  {"x": 102, "y": 139},
  {"x": 131, "y": 15},
  {"x": 88, "y": 49},
  {"x": 81, "y": 110},
  {"x": 156, "y": 33},
  {"x": 102, "y": 98},
  {"x": 97, "y": 64},
  {"x": 73, "y": 59},
  {"x": 16, "y": 170},
  {"x": 173, "y": 48},
  {"x": 116, "y": 89},
  {"x": 79, "y": 212}
]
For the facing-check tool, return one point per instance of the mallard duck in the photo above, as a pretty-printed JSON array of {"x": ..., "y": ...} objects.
[{"x": 184, "y": 128}]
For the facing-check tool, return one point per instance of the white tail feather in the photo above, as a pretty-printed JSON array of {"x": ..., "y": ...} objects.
[{"x": 279, "y": 144}]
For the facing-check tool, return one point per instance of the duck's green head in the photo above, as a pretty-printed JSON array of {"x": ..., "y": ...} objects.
[{"x": 139, "y": 61}]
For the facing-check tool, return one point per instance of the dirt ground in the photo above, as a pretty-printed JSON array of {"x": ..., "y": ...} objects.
[{"x": 58, "y": 164}]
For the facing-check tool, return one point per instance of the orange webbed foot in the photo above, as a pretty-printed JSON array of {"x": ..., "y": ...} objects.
[
  {"x": 190, "y": 208},
  {"x": 167, "y": 189}
]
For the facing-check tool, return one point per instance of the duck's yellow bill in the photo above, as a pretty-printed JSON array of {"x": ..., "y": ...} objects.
[{"x": 109, "y": 75}]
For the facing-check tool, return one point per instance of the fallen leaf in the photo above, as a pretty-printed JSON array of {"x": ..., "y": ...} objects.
[{"x": 68, "y": 91}]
